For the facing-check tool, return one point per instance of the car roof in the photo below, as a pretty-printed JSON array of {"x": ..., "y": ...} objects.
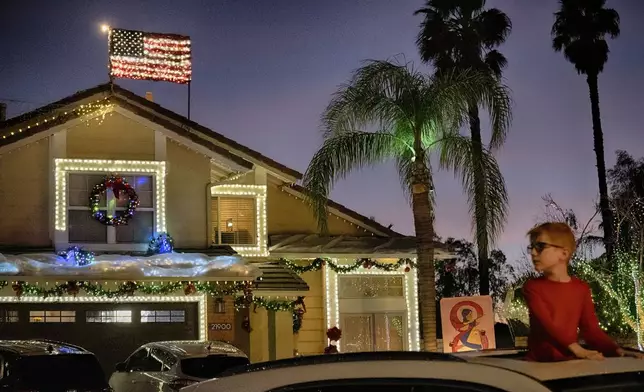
[
  {"x": 344, "y": 358},
  {"x": 513, "y": 359},
  {"x": 550, "y": 371},
  {"x": 197, "y": 348},
  {"x": 40, "y": 347},
  {"x": 399, "y": 365}
]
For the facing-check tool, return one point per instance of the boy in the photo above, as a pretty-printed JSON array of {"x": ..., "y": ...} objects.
[{"x": 560, "y": 304}]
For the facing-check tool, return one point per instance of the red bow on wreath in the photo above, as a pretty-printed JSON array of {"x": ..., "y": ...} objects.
[{"x": 118, "y": 186}]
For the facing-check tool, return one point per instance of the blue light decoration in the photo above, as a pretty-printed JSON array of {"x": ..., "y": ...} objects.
[
  {"x": 75, "y": 255},
  {"x": 162, "y": 243}
]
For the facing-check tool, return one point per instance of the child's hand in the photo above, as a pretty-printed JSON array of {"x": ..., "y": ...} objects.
[
  {"x": 582, "y": 353},
  {"x": 590, "y": 354}
]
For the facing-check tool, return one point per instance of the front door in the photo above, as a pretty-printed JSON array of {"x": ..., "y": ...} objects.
[{"x": 373, "y": 332}]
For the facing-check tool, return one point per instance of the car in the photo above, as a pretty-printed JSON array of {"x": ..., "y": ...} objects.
[
  {"x": 429, "y": 372},
  {"x": 47, "y": 365},
  {"x": 171, "y": 365}
]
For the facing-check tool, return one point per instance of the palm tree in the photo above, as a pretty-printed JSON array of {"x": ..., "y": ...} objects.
[
  {"x": 462, "y": 34},
  {"x": 415, "y": 115},
  {"x": 580, "y": 31}
]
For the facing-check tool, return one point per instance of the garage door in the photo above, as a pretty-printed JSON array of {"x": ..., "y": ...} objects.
[{"x": 112, "y": 331}]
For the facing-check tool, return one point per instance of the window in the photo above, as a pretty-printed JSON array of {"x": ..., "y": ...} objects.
[
  {"x": 8, "y": 316},
  {"x": 388, "y": 385},
  {"x": 622, "y": 382},
  {"x": 211, "y": 366},
  {"x": 83, "y": 228},
  {"x": 373, "y": 332},
  {"x": 234, "y": 220},
  {"x": 370, "y": 286},
  {"x": 142, "y": 361},
  {"x": 108, "y": 316},
  {"x": 168, "y": 360},
  {"x": 52, "y": 316},
  {"x": 163, "y": 316}
]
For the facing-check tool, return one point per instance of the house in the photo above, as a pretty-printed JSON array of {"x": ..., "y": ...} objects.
[{"x": 87, "y": 181}]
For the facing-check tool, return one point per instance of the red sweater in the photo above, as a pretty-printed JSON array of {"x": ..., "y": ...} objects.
[{"x": 557, "y": 311}]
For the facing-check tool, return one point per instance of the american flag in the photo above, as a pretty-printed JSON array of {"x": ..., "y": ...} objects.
[{"x": 151, "y": 56}]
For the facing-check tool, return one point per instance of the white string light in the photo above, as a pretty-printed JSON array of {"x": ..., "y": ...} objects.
[
  {"x": 260, "y": 249},
  {"x": 199, "y": 299},
  {"x": 64, "y": 166},
  {"x": 411, "y": 300}
]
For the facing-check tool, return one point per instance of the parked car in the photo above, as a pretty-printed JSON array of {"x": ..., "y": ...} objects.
[
  {"x": 44, "y": 365},
  {"x": 429, "y": 372},
  {"x": 169, "y": 366}
]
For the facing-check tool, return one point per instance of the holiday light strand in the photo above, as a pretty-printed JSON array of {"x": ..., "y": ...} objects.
[
  {"x": 142, "y": 55},
  {"x": 318, "y": 263},
  {"x": 101, "y": 107}
]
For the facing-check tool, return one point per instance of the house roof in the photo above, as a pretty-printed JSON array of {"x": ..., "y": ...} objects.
[
  {"x": 329, "y": 246},
  {"x": 277, "y": 277},
  {"x": 172, "y": 121},
  {"x": 351, "y": 213}
]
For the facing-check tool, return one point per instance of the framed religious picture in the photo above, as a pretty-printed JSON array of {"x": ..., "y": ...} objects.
[{"x": 467, "y": 324}]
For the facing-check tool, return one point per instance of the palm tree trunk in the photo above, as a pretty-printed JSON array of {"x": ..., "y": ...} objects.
[
  {"x": 424, "y": 226},
  {"x": 598, "y": 141},
  {"x": 480, "y": 202}
]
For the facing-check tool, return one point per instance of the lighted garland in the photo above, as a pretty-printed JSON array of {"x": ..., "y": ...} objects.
[
  {"x": 117, "y": 185},
  {"x": 318, "y": 263},
  {"x": 126, "y": 289},
  {"x": 296, "y": 307}
]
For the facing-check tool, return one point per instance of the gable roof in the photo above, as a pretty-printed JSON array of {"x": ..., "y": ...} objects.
[
  {"x": 172, "y": 121},
  {"x": 121, "y": 96}
]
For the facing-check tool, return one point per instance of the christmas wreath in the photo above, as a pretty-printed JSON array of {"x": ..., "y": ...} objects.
[{"x": 118, "y": 185}]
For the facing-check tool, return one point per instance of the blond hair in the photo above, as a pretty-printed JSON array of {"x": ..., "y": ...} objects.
[{"x": 558, "y": 233}]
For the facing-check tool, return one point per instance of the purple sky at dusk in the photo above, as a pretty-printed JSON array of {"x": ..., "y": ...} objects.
[{"x": 264, "y": 72}]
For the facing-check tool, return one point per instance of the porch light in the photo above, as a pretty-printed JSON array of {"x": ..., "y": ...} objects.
[{"x": 220, "y": 305}]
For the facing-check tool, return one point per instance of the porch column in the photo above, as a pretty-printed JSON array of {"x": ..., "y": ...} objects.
[
  {"x": 258, "y": 335},
  {"x": 285, "y": 343}
]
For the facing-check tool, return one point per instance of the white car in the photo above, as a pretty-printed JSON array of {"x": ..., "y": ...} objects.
[
  {"x": 170, "y": 366},
  {"x": 429, "y": 372}
]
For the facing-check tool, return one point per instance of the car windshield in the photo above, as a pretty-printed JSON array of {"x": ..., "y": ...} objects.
[
  {"x": 623, "y": 382},
  {"x": 55, "y": 372},
  {"x": 210, "y": 366}
]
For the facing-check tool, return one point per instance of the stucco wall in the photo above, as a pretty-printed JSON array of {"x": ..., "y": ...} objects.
[
  {"x": 288, "y": 214},
  {"x": 186, "y": 196},
  {"x": 24, "y": 196},
  {"x": 117, "y": 137},
  {"x": 312, "y": 336}
]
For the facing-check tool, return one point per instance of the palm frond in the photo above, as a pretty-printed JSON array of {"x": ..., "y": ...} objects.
[
  {"x": 379, "y": 93},
  {"x": 493, "y": 27},
  {"x": 496, "y": 62},
  {"x": 451, "y": 93},
  {"x": 339, "y": 155},
  {"x": 456, "y": 154},
  {"x": 580, "y": 30}
]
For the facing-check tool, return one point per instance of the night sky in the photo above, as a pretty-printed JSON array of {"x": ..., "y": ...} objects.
[{"x": 264, "y": 72}]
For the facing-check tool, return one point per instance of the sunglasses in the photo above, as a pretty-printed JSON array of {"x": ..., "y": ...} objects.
[{"x": 540, "y": 246}]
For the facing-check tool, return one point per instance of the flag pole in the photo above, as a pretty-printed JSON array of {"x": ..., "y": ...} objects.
[
  {"x": 107, "y": 29},
  {"x": 189, "y": 95}
]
